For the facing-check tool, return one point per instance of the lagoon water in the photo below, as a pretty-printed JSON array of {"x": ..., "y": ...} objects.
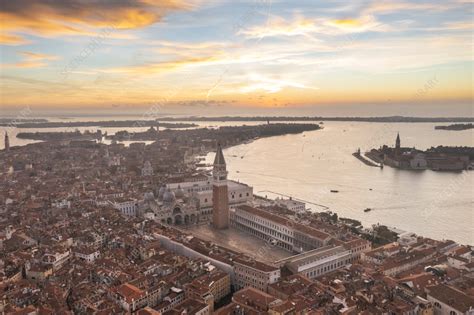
[{"x": 307, "y": 166}]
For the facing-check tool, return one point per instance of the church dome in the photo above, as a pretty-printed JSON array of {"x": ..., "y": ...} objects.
[
  {"x": 149, "y": 196},
  {"x": 179, "y": 192},
  {"x": 169, "y": 196},
  {"x": 161, "y": 192}
]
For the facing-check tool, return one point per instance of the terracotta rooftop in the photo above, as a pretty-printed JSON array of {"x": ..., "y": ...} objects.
[
  {"x": 129, "y": 292},
  {"x": 452, "y": 297},
  {"x": 254, "y": 298},
  {"x": 255, "y": 264}
]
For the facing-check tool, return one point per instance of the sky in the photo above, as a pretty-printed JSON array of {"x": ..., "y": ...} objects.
[{"x": 221, "y": 56}]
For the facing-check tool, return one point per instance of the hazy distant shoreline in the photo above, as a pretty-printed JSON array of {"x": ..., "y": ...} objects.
[
  {"x": 455, "y": 127},
  {"x": 383, "y": 119},
  {"x": 187, "y": 122},
  {"x": 103, "y": 124}
]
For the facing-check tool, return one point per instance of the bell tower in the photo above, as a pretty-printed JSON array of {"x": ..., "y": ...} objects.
[
  {"x": 397, "y": 144},
  {"x": 220, "y": 197},
  {"x": 7, "y": 142}
]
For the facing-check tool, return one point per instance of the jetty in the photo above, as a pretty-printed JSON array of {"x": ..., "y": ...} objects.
[{"x": 364, "y": 160}]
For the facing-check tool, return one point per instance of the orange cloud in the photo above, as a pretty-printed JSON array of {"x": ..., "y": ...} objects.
[
  {"x": 361, "y": 24},
  {"x": 37, "y": 56},
  {"x": 347, "y": 22},
  {"x": 9, "y": 39},
  {"x": 193, "y": 49},
  {"x": 25, "y": 64},
  {"x": 77, "y": 17},
  {"x": 31, "y": 60},
  {"x": 160, "y": 67}
]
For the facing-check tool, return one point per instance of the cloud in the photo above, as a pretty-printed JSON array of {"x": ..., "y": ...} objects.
[
  {"x": 270, "y": 85},
  {"x": 461, "y": 25},
  {"x": 192, "y": 49},
  {"x": 179, "y": 55},
  {"x": 310, "y": 28},
  {"x": 198, "y": 103},
  {"x": 362, "y": 24},
  {"x": 77, "y": 17},
  {"x": 364, "y": 20},
  {"x": 160, "y": 67},
  {"x": 37, "y": 56},
  {"x": 31, "y": 60},
  {"x": 278, "y": 26},
  {"x": 9, "y": 39},
  {"x": 387, "y": 7}
]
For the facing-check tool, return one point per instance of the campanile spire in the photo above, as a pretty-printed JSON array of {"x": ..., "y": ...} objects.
[
  {"x": 220, "y": 196},
  {"x": 7, "y": 142}
]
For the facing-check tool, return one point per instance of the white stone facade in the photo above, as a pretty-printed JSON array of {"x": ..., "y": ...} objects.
[{"x": 318, "y": 262}]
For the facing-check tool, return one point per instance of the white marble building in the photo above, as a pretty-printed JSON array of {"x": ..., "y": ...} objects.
[
  {"x": 171, "y": 207},
  {"x": 320, "y": 261},
  {"x": 287, "y": 234},
  {"x": 201, "y": 187}
]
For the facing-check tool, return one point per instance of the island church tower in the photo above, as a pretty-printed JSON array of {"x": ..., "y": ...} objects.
[
  {"x": 397, "y": 144},
  {"x": 220, "y": 197}
]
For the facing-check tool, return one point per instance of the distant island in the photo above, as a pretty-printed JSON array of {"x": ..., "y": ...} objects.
[
  {"x": 60, "y": 136},
  {"x": 441, "y": 158},
  {"x": 456, "y": 127},
  {"x": 225, "y": 135},
  {"x": 188, "y": 122},
  {"x": 15, "y": 121},
  {"x": 384, "y": 119},
  {"x": 109, "y": 123}
]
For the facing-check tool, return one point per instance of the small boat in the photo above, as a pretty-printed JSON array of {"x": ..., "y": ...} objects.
[
  {"x": 334, "y": 191},
  {"x": 367, "y": 209}
]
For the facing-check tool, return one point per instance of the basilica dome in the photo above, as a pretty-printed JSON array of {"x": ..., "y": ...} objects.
[
  {"x": 179, "y": 192},
  {"x": 161, "y": 192},
  {"x": 169, "y": 196}
]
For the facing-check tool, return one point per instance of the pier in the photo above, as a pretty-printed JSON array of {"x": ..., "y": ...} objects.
[{"x": 365, "y": 160}]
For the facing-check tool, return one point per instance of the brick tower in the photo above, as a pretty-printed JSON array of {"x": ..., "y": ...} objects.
[
  {"x": 220, "y": 197},
  {"x": 7, "y": 142},
  {"x": 397, "y": 144}
]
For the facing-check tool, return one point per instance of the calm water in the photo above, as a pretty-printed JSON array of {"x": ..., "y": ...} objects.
[{"x": 309, "y": 165}]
